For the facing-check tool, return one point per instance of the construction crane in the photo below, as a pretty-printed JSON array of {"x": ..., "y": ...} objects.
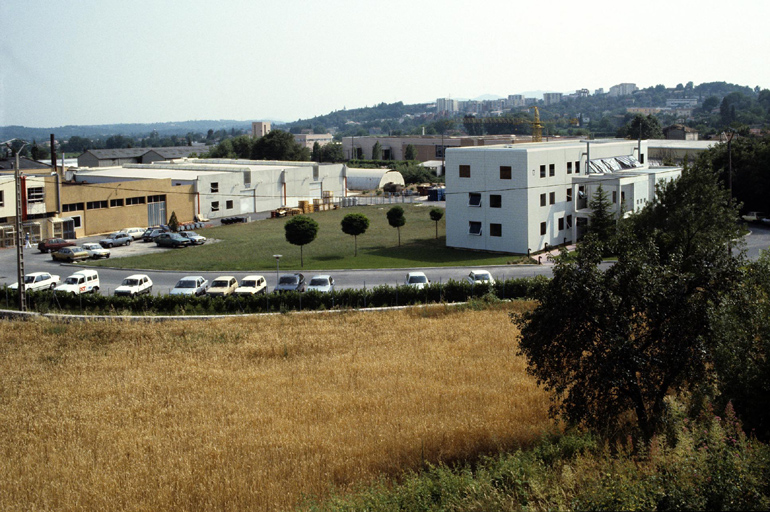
[{"x": 536, "y": 123}]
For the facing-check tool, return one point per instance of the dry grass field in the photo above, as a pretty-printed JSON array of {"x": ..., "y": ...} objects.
[{"x": 254, "y": 413}]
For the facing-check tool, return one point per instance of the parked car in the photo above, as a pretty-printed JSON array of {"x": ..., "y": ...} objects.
[
  {"x": 150, "y": 234},
  {"x": 194, "y": 237},
  {"x": 191, "y": 285},
  {"x": 134, "y": 285},
  {"x": 291, "y": 283},
  {"x": 417, "y": 280},
  {"x": 251, "y": 285},
  {"x": 323, "y": 283},
  {"x": 96, "y": 251},
  {"x": 222, "y": 286},
  {"x": 37, "y": 281},
  {"x": 135, "y": 233},
  {"x": 116, "y": 239},
  {"x": 82, "y": 281},
  {"x": 754, "y": 216},
  {"x": 70, "y": 254},
  {"x": 480, "y": 277},
  {"x": 53, "y": 244},
  {"x": 171, "y": 240}
]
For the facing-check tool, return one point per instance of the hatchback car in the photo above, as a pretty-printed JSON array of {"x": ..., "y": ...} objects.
[
  {"x": 171, "y": 240},
  {"x": 323, "y": 284},
  {"x": 417, "y": 280},
  {"x": 291, "y": 283},
  {"x": 150, "y": 234},
  {"x": 191, "y": 285},
  {"x": 134, "y": 285},
  {"x": 480, "y": 277},
  {"x": 222, "y": 286},
  {"x": 252, "y": 285},
  {"x": 70, "y": 254},
  {"x": 37, "y": 281},
  {"x": 135, "y": 233},
  {"x": 193, "y": 237},
  {"x": 53, "y": 244},
  {"x": 116, "y": 239},
  {"x": 96, "y": 251}
]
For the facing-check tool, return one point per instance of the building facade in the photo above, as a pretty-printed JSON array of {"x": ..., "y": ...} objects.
[
  {"x": 525, "y": 197},
  {"x": 260, "y": 129}
]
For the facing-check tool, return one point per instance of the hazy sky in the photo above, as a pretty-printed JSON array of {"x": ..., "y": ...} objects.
[{"x": 134, "y": 61}]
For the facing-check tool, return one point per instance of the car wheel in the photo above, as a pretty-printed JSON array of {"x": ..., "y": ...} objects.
[
  {"x": 52, "y": 286},
  {"x": 128, "y": 243},
  {"x": 95, "y": 290},
  {"x": 107, "y": 256}
]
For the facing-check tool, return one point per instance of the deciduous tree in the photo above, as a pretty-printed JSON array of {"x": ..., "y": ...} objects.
[
  {"x": 355, "y": 224},
  {"x": 396, "y": 219},
  {"x": 436, "y": 214},
  {"x": 300, "y": 230}
]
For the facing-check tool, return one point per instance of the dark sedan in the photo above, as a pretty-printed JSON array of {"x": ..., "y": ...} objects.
[
  {"x": 172, "y": 240},
  {"x": 53, "y": 244}
]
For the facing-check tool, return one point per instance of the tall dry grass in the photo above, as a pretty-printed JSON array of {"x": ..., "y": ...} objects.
[{"x": 251, "y": 414}]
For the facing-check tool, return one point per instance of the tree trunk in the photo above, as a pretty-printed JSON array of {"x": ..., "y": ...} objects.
[
  {"x": 436, "y": 230},
  {"x": 399, "y": 236},
  {"x": 355, "y": 244},
  {"x": 301, "y": 257}
]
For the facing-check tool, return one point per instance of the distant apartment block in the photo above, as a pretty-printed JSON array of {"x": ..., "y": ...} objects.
[
  {"x": 309, "y": 139},
  {"x": 682, "y": 103},
  {"x": 515, "y": 100},
  {"x": 625, "y": 89},
  {"x": 550, "y": 98},
  {"x": 599, "y": 91},
  {"x": 260, "y": 129},
  {"x": 446, "y": 105}
]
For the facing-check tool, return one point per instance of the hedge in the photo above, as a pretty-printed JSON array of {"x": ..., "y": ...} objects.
[{"x": 380, "y": 296}]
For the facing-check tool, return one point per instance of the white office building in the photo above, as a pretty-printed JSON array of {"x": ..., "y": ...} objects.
[{"x": 522, "y": 197}]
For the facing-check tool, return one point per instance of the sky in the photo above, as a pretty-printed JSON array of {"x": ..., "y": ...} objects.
[{"x": 76, "y": 62}]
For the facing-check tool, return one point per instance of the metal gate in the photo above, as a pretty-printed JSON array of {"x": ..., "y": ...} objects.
[{"x": 156, "y": 213}]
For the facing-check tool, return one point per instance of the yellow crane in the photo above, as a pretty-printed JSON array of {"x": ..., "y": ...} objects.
[{"x": 536, "y": 123}]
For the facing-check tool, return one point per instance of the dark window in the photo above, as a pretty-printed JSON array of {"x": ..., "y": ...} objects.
[
  {"x": 465, "y": 171},
  {"x": 215, "y": 206},
  {"x": 561, "y": 223},
  {"x": 495, "y": 230},
  {"x": 542, "y": 199},
  {"x": 542, "y": 228},
  {"x": 135, "y": 200},
  {"x": 474, "y": 199},
  {"x": 72, "y": 207},
  {"x": 614, "y": 196},
  {"x": 229, "y": 205},
  {"x": 569, "y": 167},
  {"x": 35, "y": 195},
  {"x": 2, "y": 198},
  {"x": 214, "y": 187},
  {"x": 569, "y": 221},
  {"x": 495, "y": 201},
  {"x": 156, "y": 199},
  {"x": 474, "y": 228},
  {"x": 542, "y": 171},
  {"x": 76, "y": 221},
  {"x": 114, "y": 203},
  {"x": 641, "y": 158},
  {"x": 96, "y": 205},
  {"x": 552, "y": 198},
  {"x": 622, "y": 197},
  {"x": 577, "y": 167},
  {"x": 505, "y": 172},
  {"x": 552, "y": 170},
  {"x": 569, "y": 194}
]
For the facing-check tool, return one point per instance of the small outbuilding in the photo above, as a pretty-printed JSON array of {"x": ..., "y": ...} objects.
[{"x": 372, "y": 179}]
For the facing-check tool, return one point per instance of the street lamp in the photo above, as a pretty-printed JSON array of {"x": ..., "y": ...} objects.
[
  {"x": 19, "y": 235},
  {"x": 277, "y": 265}
]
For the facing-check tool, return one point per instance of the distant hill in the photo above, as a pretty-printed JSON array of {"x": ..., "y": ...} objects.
[{"x": 133, "y": 129}]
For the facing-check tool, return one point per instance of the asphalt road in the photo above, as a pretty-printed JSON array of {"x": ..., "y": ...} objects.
[{"x": 164, "y": 281}]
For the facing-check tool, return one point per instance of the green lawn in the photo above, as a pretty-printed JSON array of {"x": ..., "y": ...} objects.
[{"x": 251, "y": 246}]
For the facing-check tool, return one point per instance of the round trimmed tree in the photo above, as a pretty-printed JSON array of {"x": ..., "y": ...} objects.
[
  {"x": 396, "y": 219},
  {"x": 300, "y": 230},
  {"x": 355, "y": 224},
  {"x": 436, "y": 214}
]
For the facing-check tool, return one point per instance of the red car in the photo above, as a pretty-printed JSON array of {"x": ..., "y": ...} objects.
[{"x": 53, "y": 244}]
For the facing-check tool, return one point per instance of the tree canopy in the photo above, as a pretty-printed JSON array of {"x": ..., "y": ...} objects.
[
  {"x": 436, "y": 214},
  {"x": 355, "y": 224},
  {"x": 650, "y": 128},
  {"x": 396, "y": 219},
  {"x": 300, "y": 230},
  {"x": 611, "y": 344},
  {"x": 279, "y": 145}
]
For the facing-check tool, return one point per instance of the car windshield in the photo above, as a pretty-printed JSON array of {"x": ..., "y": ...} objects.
[
  {"x": 130, "y": 282},
  {"x": 72, "y": 280},
  {"x": 186, "y": 283},
  {"x": 190, "y": 233},
  {"x": 288, "y": 280},
  {"x": 249, "y": 284},
  {"x": 220, "y": 284},
  {"x": 481, "y": 277},
  {"x": 319, "y": 281},
  {"x": 29, "y": 279},
  {"x": 418, "y": 279}
]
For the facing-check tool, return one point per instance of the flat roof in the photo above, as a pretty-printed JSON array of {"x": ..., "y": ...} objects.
[
  {"x": 143, "y": 172},
  {"x": 555, "y": 144},
  {"x": 681, "y": 144}
]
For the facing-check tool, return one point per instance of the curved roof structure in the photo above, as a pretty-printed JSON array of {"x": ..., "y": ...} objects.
[{"x": 372, "y": 179}]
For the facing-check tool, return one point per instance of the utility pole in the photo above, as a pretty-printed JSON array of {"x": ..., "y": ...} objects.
[{"x": 22, "y": 303}]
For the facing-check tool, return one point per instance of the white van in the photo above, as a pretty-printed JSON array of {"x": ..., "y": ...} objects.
[
  {"x": 82, "y": 281},
  {"x": 135, "y": 233}
]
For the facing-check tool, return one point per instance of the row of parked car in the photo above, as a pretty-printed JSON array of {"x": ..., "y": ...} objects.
[
  {"x": 84, "y": 281},
  {"x": 65, "y": 250}
]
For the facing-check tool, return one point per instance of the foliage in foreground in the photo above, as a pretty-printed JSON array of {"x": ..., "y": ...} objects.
[{"x": 706, "y": 464}]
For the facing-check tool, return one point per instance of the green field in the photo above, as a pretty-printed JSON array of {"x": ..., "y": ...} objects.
[{"x": 251, "y": 246}]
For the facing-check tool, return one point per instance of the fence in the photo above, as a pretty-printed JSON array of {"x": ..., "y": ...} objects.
[{"x": 372, "y": 199}]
